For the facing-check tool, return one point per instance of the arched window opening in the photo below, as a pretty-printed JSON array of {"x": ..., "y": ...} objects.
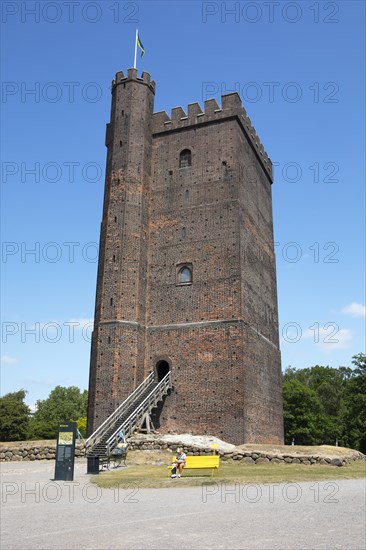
[
  {"x": 185, "y": 159},
  {"x": 184, "y": 275}
]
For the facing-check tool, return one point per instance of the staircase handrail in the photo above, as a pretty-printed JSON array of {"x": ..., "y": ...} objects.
[
  {"x": 100, "y": 431},
  {"x": 155, "y": 395},
  {"x": 125, "y": 427}
]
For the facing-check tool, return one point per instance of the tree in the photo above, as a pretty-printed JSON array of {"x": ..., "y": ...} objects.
[
  {"x": 81, "y": 425},
  {"x": 14, "y": 416},
  {"x": 41, "y": 429},
  {"x": 324, "y": 404},
  {"x": 302, "y": 413},
  {"x": 355, "y": 413},
  {"x": 62, "y": 405},
  {"x": 329, "y": 385}
]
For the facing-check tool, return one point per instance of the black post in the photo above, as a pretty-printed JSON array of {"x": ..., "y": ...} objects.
[{"x": 93, "y": 465}]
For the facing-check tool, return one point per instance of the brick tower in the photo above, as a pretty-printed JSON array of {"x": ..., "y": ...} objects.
[{"x": 186, "y": 275}]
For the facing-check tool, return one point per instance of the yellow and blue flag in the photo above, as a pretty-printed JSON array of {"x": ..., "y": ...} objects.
[{"x": 140, "y": 45}]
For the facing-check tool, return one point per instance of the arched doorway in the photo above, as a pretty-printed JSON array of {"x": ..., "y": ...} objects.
[{"x": 162, "y": 369}]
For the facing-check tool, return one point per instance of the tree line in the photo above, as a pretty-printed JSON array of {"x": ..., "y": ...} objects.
[
  {"x": 321, "y": 406},
  {"x": 17, "y": 423},
  {"x": 324, "y": 405}
]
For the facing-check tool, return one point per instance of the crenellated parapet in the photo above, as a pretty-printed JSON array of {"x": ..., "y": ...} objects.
[
  {"x": 232, "y": 107},
  {"x": 132, "y": 75}
]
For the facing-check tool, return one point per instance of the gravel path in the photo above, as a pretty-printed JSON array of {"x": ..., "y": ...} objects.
[{"x": 40, "y": 513}]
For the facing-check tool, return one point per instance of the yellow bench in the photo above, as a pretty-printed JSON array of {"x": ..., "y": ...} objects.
[{"x": 211, "y": 462}]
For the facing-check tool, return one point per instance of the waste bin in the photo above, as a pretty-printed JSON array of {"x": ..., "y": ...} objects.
[{"x": 93, "y": 465}]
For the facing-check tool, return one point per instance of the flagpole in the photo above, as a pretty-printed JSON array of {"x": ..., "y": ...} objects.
[{"x": 134, "y": 63}]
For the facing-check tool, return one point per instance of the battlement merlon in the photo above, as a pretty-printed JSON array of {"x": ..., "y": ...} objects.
[
  {"x": 132, "y": 75},
  {"x": 232, "y": 107}
]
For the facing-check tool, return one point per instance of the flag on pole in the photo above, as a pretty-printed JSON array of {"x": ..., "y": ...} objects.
[{"x": 140, "y": 45}]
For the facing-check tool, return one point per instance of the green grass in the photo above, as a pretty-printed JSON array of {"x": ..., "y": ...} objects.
[{"x": 156, "y": 476}]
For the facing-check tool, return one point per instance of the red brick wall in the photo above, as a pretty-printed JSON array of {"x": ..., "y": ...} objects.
[{"x": 220, "y": 333}]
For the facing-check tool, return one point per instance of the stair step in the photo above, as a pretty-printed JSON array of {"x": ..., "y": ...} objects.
[{"x": 99, "y": 449}]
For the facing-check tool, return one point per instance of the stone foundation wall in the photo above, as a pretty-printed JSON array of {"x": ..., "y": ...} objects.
[
  {"x": 253, "y": 456},
  {"x": 46, "y": 450},
  {"x": 32, "y": 450}
]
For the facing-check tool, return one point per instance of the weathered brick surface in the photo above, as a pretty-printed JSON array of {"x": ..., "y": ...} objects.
[{"x": 220, "y": 333}]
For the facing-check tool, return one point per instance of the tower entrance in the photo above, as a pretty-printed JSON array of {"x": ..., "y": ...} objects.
[{"x": 162, "y": 369}]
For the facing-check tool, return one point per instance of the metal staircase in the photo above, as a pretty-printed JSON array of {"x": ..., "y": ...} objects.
[{"x": 128, "y": 416}]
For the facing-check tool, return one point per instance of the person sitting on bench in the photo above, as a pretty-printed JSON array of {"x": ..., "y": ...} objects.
[{"x": 180, "y": 462}]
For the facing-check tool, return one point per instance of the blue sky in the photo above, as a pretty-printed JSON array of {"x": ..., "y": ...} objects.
[{"x": 299, "y": 67}]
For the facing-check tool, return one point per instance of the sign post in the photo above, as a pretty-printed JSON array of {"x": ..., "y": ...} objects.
[{"x": 65, "y": 452}]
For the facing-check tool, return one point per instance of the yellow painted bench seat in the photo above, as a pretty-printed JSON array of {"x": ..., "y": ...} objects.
[{"x": 211, "y": 462}]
